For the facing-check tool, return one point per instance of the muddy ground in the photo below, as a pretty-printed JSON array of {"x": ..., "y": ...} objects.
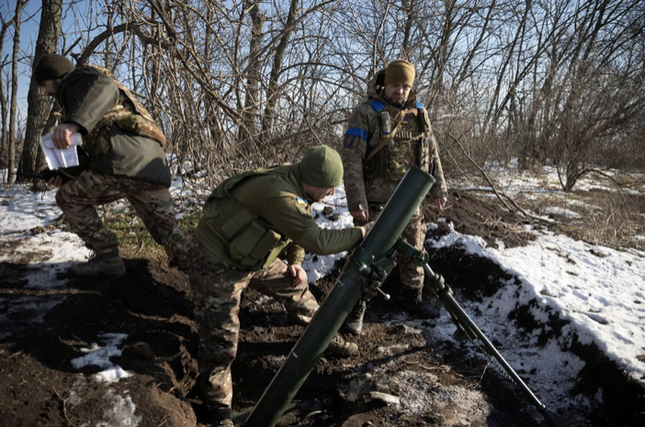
[{"x": 438, "y": 381}]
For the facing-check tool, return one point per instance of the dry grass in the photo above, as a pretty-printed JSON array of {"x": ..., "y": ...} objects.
[
  {"x": 617, "y": 223},
  {"x": 610, "y": 218}
]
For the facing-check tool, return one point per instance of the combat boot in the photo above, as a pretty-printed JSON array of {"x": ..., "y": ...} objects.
[
  {"x": 354, "y": 322},
  {"x": 223, "y": 423},
  {"x": 100, "y": 265},
  {"x": 413, "y": 302},
  {"x": 340, "y": 347},
  {"x": 219, "y": 416}
]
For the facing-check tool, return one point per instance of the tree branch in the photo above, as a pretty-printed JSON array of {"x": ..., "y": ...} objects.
[{"x": 500, "y": 196}]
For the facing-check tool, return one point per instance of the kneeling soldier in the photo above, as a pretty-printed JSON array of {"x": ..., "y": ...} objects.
[{"x": 248, "y": 221}]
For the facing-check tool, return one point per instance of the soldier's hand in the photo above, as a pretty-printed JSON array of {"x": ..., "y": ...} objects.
[
  {"x": 361, "y": 217},
  {"x": 62, "y": 135},
  {"x": 298, "y": 273},
  {"x": 441, "y": 202},
  {"x": 365, "y": 228},
  {"x": 56, "y": 181}
]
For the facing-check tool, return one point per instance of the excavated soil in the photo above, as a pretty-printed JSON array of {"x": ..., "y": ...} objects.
[{"x": 151, "y": 307}]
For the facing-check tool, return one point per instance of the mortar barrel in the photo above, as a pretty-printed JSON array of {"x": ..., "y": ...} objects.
[{"x": 348, "y": 289}]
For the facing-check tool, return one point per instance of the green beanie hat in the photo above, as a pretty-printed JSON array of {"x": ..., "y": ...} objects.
[
  {"x": 400, "y": 71},
  {"x": 321, "y": 167},
  {"x": 52, "y": 67}
]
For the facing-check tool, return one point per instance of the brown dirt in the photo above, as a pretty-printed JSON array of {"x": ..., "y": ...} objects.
[{"x": 151, "y": 304}]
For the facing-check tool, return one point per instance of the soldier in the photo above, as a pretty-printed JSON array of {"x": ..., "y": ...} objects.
[
  {"x": 248, "y": 221},
  {"x": 126, "y": 160},
  {"x": 386, "y": 134}
]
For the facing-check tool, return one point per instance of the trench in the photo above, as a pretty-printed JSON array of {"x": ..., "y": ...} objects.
[{"x": 623, "y": 398}]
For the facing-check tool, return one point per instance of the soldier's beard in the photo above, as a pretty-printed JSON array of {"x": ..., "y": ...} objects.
[{"x": 399, "y": 104}]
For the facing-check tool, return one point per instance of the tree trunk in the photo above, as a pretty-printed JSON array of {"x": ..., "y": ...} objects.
[
  {"x": 13, "y": 109},
  {"x": 3, "y": 99},
  {"x": 272, "y": 89},
  {"x": 252, "y": 90},
  {"x": 408, "y": 7},
  {"x": 38, "y": 107}
]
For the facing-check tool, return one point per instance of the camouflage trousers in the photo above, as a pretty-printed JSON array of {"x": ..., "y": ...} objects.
[
  {"x": 415, "y": 233},
  {"x": 79, "y": 197},
  {"x": 217, "y": 289}
]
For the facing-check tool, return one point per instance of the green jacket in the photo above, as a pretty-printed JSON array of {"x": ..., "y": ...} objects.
[
  {"x": 276, "y": 201},
  {"x": 86, "y": 95}
]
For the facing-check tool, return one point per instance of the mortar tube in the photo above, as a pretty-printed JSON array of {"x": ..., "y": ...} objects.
[{"x": 348, "y": 289}]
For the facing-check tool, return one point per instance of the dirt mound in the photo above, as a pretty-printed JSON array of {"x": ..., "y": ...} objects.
[
  {"x": 478, "y": 217},
  {"x": 40, "y": 384}
]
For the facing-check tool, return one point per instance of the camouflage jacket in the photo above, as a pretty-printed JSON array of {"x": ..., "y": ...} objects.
[
  {"x": 118, "y": 134},
  {"x": 412, "y": 142},
  {"x": 280, "y": 218}
]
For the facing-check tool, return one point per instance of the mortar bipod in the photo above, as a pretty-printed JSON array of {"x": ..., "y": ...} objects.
[{"x": 437, "y": 284}]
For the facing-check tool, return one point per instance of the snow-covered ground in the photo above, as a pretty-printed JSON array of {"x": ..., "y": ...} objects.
[{"x": 601, "y": 291}]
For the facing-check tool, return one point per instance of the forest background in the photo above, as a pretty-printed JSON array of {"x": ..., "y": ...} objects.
[{"x": 246, "y": 83}]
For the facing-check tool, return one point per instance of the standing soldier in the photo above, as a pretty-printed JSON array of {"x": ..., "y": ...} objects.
[
  {"x": 248, "y": 221},
  {"x": 386, "y": 134},
  {"x": 126, "y": 160}
]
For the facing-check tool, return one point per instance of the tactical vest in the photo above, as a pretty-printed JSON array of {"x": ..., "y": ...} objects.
[
  {"x": 251, "y": 244},
  {"x": 127, "y": 114},
  {"x": 407, "y": 145}
]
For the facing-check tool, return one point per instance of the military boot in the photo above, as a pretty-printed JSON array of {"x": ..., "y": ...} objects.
[
  {"x": 413, "y": 302},
  {"x": 222, "y": 423},
  {"x": 100, "y": 265},
  {"x": 340, "y": 347},
  {"x": 354, "y": 322},
  {"x": 220, "y": 418}
]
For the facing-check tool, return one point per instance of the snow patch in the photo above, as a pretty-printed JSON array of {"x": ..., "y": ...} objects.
[
  {"x": 100, "y": 356},
  {"x": 120, "y": 412}
]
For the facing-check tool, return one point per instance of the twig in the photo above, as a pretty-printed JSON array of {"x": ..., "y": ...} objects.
[
  {"x": 499, "y": 195},
  {"x": 143, "y": 242},
  {"x": 481, "y": 378},
  {"x": 611, "y": 178},
  {"x": 64, "y": 406}
]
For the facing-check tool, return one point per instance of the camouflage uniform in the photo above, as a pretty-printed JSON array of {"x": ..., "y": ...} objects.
[
  {"x": 152, "y": 202},
  {"x": 217, "y": 289},
  {"x": 274, "y": 201},
  {"x": 126, "y": 160},
  {"x": 370, "y": 184}
]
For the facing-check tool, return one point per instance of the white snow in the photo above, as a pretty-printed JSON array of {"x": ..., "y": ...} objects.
[
  {"x": 100, "y": 356},
  {"x": 562, "y": 212},
  {"x": 602, "y": 295},
  {"x": 120, "y": 411},
  {"x": 318, "y": 266}
]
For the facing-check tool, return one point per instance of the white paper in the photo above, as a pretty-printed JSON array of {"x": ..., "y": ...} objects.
[{"x": 60, "y": 158}]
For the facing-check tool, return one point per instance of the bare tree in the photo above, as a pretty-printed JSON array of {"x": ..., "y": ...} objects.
[
  {"x": 276, "y": 69},
  {"x": 596, "y": 87},
  {"x": 13, "y": 109},
  {"x": 253, "y": 70},
  {"x": 249, "y": 83},
  {"x": 3, "y": 96},
  {"x": 38, "y": 106}
]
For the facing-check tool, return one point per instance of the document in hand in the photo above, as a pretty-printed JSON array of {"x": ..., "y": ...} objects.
[{"x": 63, "y": 158}]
